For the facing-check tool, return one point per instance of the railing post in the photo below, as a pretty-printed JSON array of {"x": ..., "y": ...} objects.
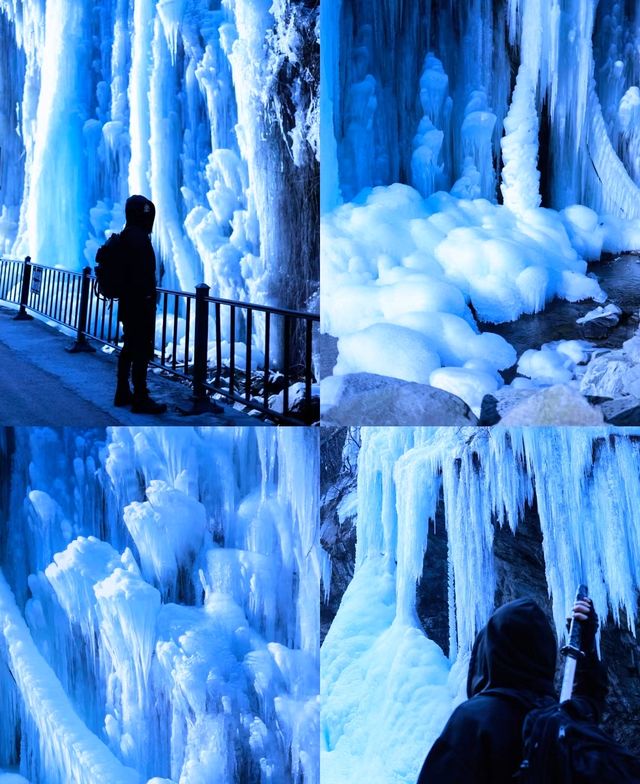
[
  {"x": 81, "y": 343},
  {"x": 22, "y": 314},
  {"x": 201, "y": 401}
]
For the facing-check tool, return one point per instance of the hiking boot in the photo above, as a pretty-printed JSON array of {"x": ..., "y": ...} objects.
[
  {"x": 146, "y": 405},
  {"x": 123, "y": 396}
]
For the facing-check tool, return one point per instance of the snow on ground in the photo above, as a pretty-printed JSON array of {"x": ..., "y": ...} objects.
[{"x": 406, "y": 279}]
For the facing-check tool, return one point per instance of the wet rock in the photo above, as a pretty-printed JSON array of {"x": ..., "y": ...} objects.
[
  {"x": 500, "y": 402},
  {"x": 624, "y": 412},
  {"x": 557, "y": 405},
  {"x": 598, "y": 323},
  {"x": 369, "y": 399}
]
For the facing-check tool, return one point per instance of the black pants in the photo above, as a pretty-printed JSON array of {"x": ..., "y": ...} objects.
[{"x": 139, "y": 325}]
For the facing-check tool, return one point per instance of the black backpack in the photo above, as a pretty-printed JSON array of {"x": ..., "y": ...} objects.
[
  {"x": 563, "y": 745},
  {"x": 109, "y": 269}
]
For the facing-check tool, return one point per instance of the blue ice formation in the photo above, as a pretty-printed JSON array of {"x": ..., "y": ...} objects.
[
  {"x": 159, "y": 595},
  {"x": 469, "y": 96},
  {"x": 207, "y": 108},
  {"x": 387, "y": 688}
]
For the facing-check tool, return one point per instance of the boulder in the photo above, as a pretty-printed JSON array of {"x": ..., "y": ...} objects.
[
  {"x": 498, "y": 403},
  {"x": 624, "y": 412},
  {"x": 614, "y": 375},
  {"x": 558, "y": 406},
  {"x": 369, "y": 399},
  {"x": 598, "y": 323}
]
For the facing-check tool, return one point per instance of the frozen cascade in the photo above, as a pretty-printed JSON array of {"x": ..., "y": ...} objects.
[
  {"x": 586, "y": 482},
  {"x": 561, "y": 51},
  {"x": 209, "y": 109},
  {"x": 189, "y": 652}
]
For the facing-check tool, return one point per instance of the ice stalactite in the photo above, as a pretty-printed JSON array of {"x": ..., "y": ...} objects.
[
  {"x": 182, "y": 102},
  {"x": 427, "y": 167},
  {"x": 178, "y": 615},
  {"x": 493, "y": 474},
  {"x": 585, "y": 485},
  {"x": 520, "y": 176},
  {"x": 557, "y": 54}
]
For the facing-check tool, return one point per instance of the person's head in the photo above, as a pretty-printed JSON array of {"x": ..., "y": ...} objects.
[
  {"x": 140, "y": 211},
  {"x": 515, "y": 650}
]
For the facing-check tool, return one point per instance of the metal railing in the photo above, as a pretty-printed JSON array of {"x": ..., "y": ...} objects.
[{"x": 264, "y": 362}]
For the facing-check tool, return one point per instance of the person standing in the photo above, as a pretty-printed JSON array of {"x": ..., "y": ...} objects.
[
  {"x": 137, "y": 307},
  {"x": 511, "y": 670}
]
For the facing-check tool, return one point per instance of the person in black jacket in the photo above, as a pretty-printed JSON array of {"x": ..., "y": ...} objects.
[
  {"x": 511, "y": 670},
  {"x": 137, "y": 307}
]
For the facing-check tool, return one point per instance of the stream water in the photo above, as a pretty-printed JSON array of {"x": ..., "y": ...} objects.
[{"x": 619, "y": 278}]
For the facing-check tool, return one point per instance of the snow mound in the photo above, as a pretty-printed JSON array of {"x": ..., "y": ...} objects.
[{"x": 405, "y": 278}]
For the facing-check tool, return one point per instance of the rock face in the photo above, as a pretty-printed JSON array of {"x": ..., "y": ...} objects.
[
  {"x": 369, "y": 399},
  {"x": 338, "y": 475},
  {"x": 520, "y": 572}
]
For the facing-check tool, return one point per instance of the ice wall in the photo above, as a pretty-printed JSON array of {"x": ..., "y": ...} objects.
[
  {"x": 586, "y": 484},
  {"x": 570, "y": 115},
  {"x": 209, "y": 109},
  {"x": 169, "y": 580}
]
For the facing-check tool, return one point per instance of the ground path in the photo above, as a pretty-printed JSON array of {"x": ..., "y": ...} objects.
[{"x": 41, "y": 383}]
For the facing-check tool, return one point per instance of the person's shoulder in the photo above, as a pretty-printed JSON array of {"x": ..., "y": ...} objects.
[{"x": 483, "y": 708}]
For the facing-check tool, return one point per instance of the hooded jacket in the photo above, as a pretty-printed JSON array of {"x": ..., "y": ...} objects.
[
  {"x": 511, "y": 671},
  {"x": 139, "y": 257}
]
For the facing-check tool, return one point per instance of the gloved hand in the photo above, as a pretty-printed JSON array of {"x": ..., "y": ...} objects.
[{"x": 583, "y": 611}]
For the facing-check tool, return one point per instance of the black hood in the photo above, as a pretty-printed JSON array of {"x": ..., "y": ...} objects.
[
  {"x": 140, "y": 212},
  {"x": 515, "y": 650}
]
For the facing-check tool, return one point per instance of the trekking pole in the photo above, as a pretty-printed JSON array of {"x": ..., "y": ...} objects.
[{"x": 572, "y": 649}]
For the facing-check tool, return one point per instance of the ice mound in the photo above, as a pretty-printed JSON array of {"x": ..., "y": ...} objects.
[
  {"x": 406, "y": 279},
  {"x": 168, "y": 529}
]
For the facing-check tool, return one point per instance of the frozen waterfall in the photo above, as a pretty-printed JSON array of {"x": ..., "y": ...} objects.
[
  {"x": 208, "y": 108},
  {"x": 159, "y": 606},
  {"x": 585, "y": 485},
  {"x": 480, "y": 154}
]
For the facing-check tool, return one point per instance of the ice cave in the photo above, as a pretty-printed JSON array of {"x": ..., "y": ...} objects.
[
  {"x": 208, "y": 108},
  {"x": 427, "y": 530},
  {"x": 159, "y": 597},
  {"x": 478, "y": 159}
]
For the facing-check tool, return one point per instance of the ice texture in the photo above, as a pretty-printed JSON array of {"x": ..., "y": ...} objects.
[
  {"x": 189, "y": 652},
  {"x": 509, "y": 121},
  {"x": 406, "y": 280},
  {"x": 378, "y": 665}
]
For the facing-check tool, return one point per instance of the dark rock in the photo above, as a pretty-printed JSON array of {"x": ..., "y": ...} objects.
[
  {"x": 338, "y": 476},
  {"x": 369, "y": 399},
  {"x": 489, "y": 411},
  {"x": 599, "y": 328},
  {"x": 624, "y": 412}
]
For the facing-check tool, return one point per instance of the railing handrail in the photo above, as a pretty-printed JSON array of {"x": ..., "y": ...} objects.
[
  {"x": 236, "y": 302},
  {"x": 69, "y": 298}
]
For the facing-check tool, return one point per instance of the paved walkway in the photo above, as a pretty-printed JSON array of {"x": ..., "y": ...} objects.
[{"x": 43, "y": 384}]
